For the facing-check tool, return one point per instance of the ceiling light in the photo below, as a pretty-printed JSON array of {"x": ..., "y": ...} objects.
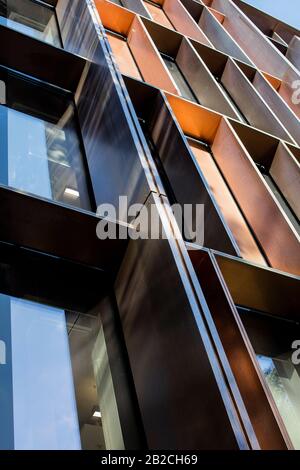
[
  {"x": 97, "y": 414},
  {"x": 71, "y": 192}
]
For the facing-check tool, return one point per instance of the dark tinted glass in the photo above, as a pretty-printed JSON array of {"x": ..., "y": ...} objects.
[
  {"x": 31, "y": 18},
  {"x": 40, "y": 149}
]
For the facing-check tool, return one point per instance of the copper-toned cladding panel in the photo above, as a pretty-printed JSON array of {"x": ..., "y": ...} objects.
[
  {"x": 255, "y": 395},
  {"x": 285, "y": 171},
  {"x": 201, "y": 80},
  {"x": 123, "y": 56},
  {"x": 148, "y": 59},
  {"x": 293, "y": 52},
  {"x": 232, "y": 214},
  {"x": 114, "y": 17},
  {"x": 251, "y": 103},
  {"x": 220, "y": 17},
  {"x": 183, "y": 21},
  {"x": 195, "y": 120},
  {"x": 158, "y": 15},
  {"x": 276, "y": 236},
  {"x": 218, "y": 35},
  {"x": 278, "y": 105},
  {"x": 274, "y": 81},
  {"x": 257, "y": 47}
]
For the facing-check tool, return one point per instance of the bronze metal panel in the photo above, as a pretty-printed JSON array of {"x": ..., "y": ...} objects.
[
  {"x": 183, "y": 21},
  {"x": 293, "y": 52},
  {"x": 201, "y": 80},
  {"x": 278, "y": 105},
  {"x": 260, "y": 146},
  {"x": 295, "y": 151},
  {"x": 170, "y": 353},
  {"x": 276, "y": 235},
  {"x": 267, "y": 23},
  {"x": 231, "y": 212},
  {"x": 148, "y": 59},
  {"x": 166, "y": 40},
  {"x": 285, "y": 170},
  {"x": 257, "y": 47},
  {"x": 36, "y": 223},
  {"x": 287, "y": 91},
  {"x": 263, "y": 415},
  {"x": 214, "y": 60},
  {"x": 137, "y": 6},
  {"x": 114, "y": 17},
  {"x": 195, "y": 120},
  {"x": 158, "y": 15},
  {"x": 123, "y": 56},
  {"x": 186, "y": 178},
  {"x": 251, "y": 103},
  {"x": 220, "y": 17},
  {"x": 262, "y": 289},
  {"x": 219, "y": 36}
]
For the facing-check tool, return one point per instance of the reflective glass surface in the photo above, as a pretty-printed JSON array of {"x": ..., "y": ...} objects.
[
  {"x": 56, "y": 388},
  {"x": 272, "y": 340},
  {"x": 31, "y": 18},
  {"x": 40, "y": 149}
]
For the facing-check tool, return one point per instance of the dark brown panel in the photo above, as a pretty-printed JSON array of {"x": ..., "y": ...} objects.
[
  {"x": 41, "y": 60},
  {"x": 57, "y": 230},
  {"x": 238, "y": 351},
  {"x": 261, "y": 289},
  {"x": 180, "y": 397}
]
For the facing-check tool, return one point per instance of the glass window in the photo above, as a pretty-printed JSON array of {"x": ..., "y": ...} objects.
[
  {"x": 32, "y": 18},
  {"x": 272, "y": 340},
  {"x": 56, "y": 386},
  {"x": 179, "y": 79},
  {"x": 40, "y": 149}
]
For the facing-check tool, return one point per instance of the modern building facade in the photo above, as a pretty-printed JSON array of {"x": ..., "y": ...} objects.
[{"x": 138, "y": 342}]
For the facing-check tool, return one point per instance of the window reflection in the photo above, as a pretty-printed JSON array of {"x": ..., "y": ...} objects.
[
  {"x": 56, "y": 386},
  {"x": 32, "y": 18},
  {"x": 272, "y": 340},
  {"x": 40, "y": 148}
]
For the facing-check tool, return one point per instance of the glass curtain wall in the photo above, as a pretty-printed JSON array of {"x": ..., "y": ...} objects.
[{"x": 40, "y": 147}]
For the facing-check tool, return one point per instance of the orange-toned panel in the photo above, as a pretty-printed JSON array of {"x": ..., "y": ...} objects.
[
  {"x": 277, "y": 237},
  {"x": 183, "y": 21},
  {"x": 275, "y": 82},
  {"x": 158, "y": 15},
  {"x": 195, "y": 120},
  {"x": 231, "y": 212},
  {"x": 220, "y": 17},
  {"x": 114, "y": 17},
  {"x": 123, "y": 56},
  {"x": 148, "y": 58},
  {"x": 285, "y": 171}
]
